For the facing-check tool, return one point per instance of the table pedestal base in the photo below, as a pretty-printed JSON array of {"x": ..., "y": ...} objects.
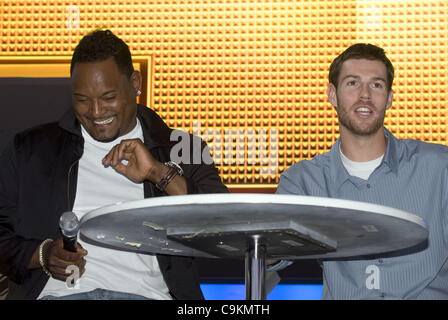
[{"x": 255, "y": 270}]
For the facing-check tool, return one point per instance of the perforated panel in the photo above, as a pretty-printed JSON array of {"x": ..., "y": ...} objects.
[{"x": 242, "y": 72}]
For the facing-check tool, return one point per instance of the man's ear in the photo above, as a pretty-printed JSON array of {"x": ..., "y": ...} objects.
[
  {"x": 331, "y": 94},
  {"x": 136, "y": 80},
  {"x": 390, "y": 98}
]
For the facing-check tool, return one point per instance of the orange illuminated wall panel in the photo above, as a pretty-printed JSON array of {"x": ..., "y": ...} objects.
[{"x": 250, "y": 76}]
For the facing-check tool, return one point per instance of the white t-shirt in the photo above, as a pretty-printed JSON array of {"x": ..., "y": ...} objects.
[
  {"x": 107, "y": 268},
  {"x": 358, "y": 169}
]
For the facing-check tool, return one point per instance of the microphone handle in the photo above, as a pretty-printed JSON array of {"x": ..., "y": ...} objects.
[{"x": 70, "y": 244}]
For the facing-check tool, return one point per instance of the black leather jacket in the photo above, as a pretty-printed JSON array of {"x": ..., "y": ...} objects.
[{"x": 38, "y": 176}]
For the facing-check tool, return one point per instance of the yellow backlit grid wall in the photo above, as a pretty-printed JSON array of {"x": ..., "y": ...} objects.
[{"x": 250, "y": 76}]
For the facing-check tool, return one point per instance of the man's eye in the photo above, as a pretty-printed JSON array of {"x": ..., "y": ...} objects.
[
  {"x": 377, "y": 85},
  {"x": 351, "y": 83},
  {"x": 109, "y": 98}
]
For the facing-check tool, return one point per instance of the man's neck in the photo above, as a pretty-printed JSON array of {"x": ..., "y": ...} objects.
[{"x": 363, "y": 148}]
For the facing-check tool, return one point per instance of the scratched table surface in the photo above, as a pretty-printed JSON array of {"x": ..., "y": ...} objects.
[{"x": 219, "y": 226}]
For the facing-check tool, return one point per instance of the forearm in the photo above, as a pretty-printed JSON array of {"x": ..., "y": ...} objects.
[
  {"x": 34, "y": 262},
  {"x": 197, "y": 179},
  {"x": 202, "y": 179},
  {"x": 18, "y": 255},
  {"x": 177, "y": 186},
  {"x": 16, "y": 251}
]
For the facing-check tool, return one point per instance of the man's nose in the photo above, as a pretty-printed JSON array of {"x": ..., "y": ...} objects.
[
  {"x": 365, "y": 91},
  {"x": 96, "y": 108}
]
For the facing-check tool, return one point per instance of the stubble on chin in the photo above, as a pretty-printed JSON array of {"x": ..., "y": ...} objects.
[{"x": 357, "y": 129}]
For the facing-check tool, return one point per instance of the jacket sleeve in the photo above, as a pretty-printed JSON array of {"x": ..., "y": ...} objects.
[
  {"x": 202, "y": 176},
  {"x": 15, "y": 250}
]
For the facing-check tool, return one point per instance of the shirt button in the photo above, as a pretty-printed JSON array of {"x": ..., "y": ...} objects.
[
  {"x": 380, "y": 261},
  {"x": 368, "y": 185}
]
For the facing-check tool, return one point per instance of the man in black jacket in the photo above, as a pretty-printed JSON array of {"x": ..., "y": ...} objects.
[{"x": 107, "y": 149}]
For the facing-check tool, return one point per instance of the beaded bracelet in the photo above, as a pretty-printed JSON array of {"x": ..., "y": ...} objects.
[{"x": 41, "y": 256}]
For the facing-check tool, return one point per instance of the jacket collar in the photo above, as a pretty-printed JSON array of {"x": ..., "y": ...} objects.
[
  {"x": 155, "y": 131},
  {"x": 339, "y": 173}
]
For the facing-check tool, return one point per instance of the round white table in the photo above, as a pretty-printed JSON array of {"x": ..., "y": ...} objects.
[{"x": 254, "y": 227}]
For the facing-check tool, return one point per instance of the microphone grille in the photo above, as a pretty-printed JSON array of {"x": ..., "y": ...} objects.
[{"x": 69, "y": 224}]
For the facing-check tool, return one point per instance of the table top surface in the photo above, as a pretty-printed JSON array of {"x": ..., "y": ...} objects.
[{"x": 221, "y": 225}]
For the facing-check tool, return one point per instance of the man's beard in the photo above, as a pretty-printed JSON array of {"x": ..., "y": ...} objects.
[{"x": 354, "y": 127}]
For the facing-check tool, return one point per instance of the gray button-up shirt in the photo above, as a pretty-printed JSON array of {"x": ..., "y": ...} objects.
[{"x": 413, "y": 177}]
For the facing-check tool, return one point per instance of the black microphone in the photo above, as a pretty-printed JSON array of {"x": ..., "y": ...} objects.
[{"x": 69, "y": 225}]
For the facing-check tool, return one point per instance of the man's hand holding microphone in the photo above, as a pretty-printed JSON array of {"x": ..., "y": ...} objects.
[{"x": 57, "y": 257}]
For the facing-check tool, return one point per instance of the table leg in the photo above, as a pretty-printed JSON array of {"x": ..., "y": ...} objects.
[{"x": 255, "y": 270}]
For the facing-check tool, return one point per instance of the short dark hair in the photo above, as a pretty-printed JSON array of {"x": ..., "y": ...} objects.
[
  {"x": 361, "y": 51},
  {"x": 99, "y": 45}
]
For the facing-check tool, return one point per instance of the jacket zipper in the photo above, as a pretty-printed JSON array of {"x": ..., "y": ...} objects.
[{"x": 68, "y": 184}]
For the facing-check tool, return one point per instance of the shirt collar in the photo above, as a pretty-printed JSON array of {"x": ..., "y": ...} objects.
[
  {"x": 391, "y": 158},
  {"x": 339, "y": 174}
]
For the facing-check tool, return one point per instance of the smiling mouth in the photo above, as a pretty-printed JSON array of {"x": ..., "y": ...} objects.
[
  {"x": 363, "y": 111},
  {"x": 105, "y": 121}
]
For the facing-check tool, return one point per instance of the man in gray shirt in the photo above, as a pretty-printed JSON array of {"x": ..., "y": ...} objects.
[{"x": 367, "y": 163}]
